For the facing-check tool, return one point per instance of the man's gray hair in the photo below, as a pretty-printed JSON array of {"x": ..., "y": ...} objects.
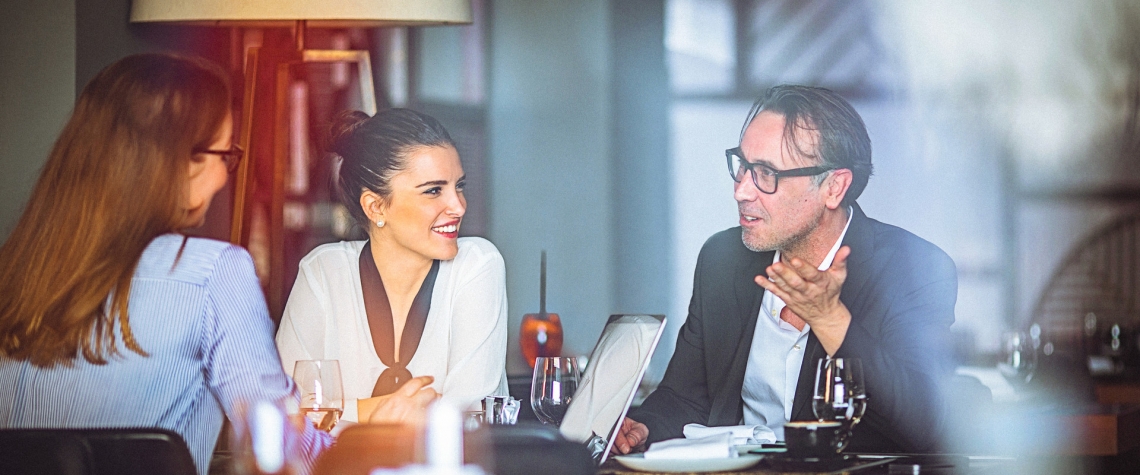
[{"x": 842, "y": 136}]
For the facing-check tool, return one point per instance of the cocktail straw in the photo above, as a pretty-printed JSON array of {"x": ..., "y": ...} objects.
[{"x": 542, "y": 286}]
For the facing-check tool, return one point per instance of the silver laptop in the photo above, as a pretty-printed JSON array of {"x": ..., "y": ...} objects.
[{"x": 610, "y": 380}]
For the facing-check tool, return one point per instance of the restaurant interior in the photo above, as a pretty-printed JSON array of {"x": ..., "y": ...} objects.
[{"x": 1005, "y": 132}]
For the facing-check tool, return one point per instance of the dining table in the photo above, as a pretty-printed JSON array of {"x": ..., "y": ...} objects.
[
  {"x": 1091, "y": 438},
  {"x": 857, "y": 463}
]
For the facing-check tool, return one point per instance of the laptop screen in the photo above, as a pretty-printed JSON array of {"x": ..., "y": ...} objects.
[{"x": 609, "y": 382}]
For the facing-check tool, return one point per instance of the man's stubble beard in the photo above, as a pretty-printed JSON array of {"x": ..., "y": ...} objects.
[{"x": 759, "y": 244}]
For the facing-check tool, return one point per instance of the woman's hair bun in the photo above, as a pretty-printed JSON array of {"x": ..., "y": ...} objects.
[{"x": 342, "y": 128}]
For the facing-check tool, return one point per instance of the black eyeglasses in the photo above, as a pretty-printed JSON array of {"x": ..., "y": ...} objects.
[
  {"x": 764, "y": 177},
  {"x": 230, "y": 157}
]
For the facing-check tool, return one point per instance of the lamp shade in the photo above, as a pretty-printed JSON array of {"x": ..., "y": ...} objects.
[{"x": 316, "y": 13}]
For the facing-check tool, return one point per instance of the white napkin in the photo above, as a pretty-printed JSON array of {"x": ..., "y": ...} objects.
[
  {"x": 715, "y": 446},
  {"x": 755, "y": 434}
]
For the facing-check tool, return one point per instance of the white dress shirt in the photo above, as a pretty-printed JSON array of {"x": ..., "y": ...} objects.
[
  {"x": 775, "y": 358},
  {"x": 464, "y": 344}
]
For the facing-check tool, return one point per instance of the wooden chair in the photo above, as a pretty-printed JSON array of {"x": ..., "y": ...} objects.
[
  {"x": 523, "y": 449},
  {"x": 362, "y": 447}
]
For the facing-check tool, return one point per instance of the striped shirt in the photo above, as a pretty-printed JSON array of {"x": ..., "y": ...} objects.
[{"x": 207, "y": 331}]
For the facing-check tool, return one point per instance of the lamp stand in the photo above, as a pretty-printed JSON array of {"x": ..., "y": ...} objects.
[{"x": 240, "y": 225}]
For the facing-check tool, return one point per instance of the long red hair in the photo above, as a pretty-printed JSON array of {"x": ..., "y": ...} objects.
[{"x": 114, "y": 181}]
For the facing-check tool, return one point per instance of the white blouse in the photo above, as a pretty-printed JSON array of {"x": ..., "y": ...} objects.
[{"x": 464, "y": 343}]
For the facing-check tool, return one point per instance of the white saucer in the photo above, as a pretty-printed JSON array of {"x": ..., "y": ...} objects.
[{"x": 639, "y": 462}]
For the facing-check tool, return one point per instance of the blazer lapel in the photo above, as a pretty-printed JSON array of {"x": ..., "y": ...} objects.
[
  {"x": 861, "y": 240},
  {"x": 727, "y": 407}
]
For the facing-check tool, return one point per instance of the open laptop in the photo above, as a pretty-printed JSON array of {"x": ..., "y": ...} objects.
[{"x": 610, "y": 380}]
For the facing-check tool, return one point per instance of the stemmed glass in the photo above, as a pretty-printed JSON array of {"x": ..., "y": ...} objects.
[
  {"x": 322, "y": 397},
  {"x": 552, "y": 389},
  {"x": 839, "y": 393},
  {"x": 1020, "y": 354}
]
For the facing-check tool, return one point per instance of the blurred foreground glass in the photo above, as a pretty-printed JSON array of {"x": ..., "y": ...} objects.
[
  {"x": 265, "y": 441},
  {"x": 553, "y": 387},
  {"x": 1019, "y": 354},
  {"x": 322, "y": 399},
  {"x": 839, "y": 393}
]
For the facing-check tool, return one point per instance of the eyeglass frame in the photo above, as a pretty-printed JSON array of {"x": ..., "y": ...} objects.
[
  {"x": 776, "y": 174},
  {"x": 231, "y": 157}
]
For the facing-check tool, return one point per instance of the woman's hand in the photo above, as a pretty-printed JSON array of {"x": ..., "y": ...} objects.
[{"x": 406, "y": 405}]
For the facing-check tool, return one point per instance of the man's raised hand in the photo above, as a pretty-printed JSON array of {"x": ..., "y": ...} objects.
[{"x": 813, "y": 295}]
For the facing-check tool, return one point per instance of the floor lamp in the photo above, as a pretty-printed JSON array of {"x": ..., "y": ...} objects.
[{"x": 298, "y": 15}]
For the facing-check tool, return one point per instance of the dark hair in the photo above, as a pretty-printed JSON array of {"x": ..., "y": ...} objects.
[
  {"x": 843, "y": 139},
  {"x": 114, "y": 181},
  {"x": 374, "y": 149}
]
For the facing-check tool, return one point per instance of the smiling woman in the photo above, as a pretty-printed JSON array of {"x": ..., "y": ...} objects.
[{"x": 413, "y": 299}]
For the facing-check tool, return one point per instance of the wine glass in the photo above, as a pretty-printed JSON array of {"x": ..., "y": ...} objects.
[
  {"x": 552, "y": 389},
  {"x": 322, "y": 397},
  {"x": 1019, "y": 351},
  {"x": 839, "y": 393}
]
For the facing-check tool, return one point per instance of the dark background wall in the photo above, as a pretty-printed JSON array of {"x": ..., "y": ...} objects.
[
  {"x": 103, "y": 34},
  {"x": 642, "y": 183},
  {"x": 37, "y": 79}
]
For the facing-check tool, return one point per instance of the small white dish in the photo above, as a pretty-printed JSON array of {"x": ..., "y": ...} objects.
[{"x": 639, "y": 462}]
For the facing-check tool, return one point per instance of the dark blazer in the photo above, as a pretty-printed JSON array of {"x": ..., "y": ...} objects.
[{"x": 900, "y": 290}]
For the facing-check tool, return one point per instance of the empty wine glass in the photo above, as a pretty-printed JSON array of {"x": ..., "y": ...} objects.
[
  {"x": 1019, "y": 351},
  {"x": 839, "y": 393},
  {"x": 552, "y": 389},
  {"x": 322, "y": 398}
]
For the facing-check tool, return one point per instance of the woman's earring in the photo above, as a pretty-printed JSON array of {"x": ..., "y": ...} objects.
[{"x": 379, "y": 223}]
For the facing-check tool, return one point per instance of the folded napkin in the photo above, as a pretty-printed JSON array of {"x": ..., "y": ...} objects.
[
  {"x": 755, "y": 434},
  {"x": 715, "y": 446}
]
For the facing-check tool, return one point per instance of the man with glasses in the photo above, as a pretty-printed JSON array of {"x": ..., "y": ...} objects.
[{"x": 807, "y": 276}]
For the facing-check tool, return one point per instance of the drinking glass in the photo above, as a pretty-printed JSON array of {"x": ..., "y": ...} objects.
[
  {"x": 265, "y": 441},
  {"x": 552, "y": 389},
  {"x": 839, "y": 393},
  {"x": 322, "y": 398},
  {"x": 1019, "y": 352},
  {"x": 500, "y": 410}
]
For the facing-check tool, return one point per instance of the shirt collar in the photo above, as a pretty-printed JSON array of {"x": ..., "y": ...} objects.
[{"x": 772, "y": 304}]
